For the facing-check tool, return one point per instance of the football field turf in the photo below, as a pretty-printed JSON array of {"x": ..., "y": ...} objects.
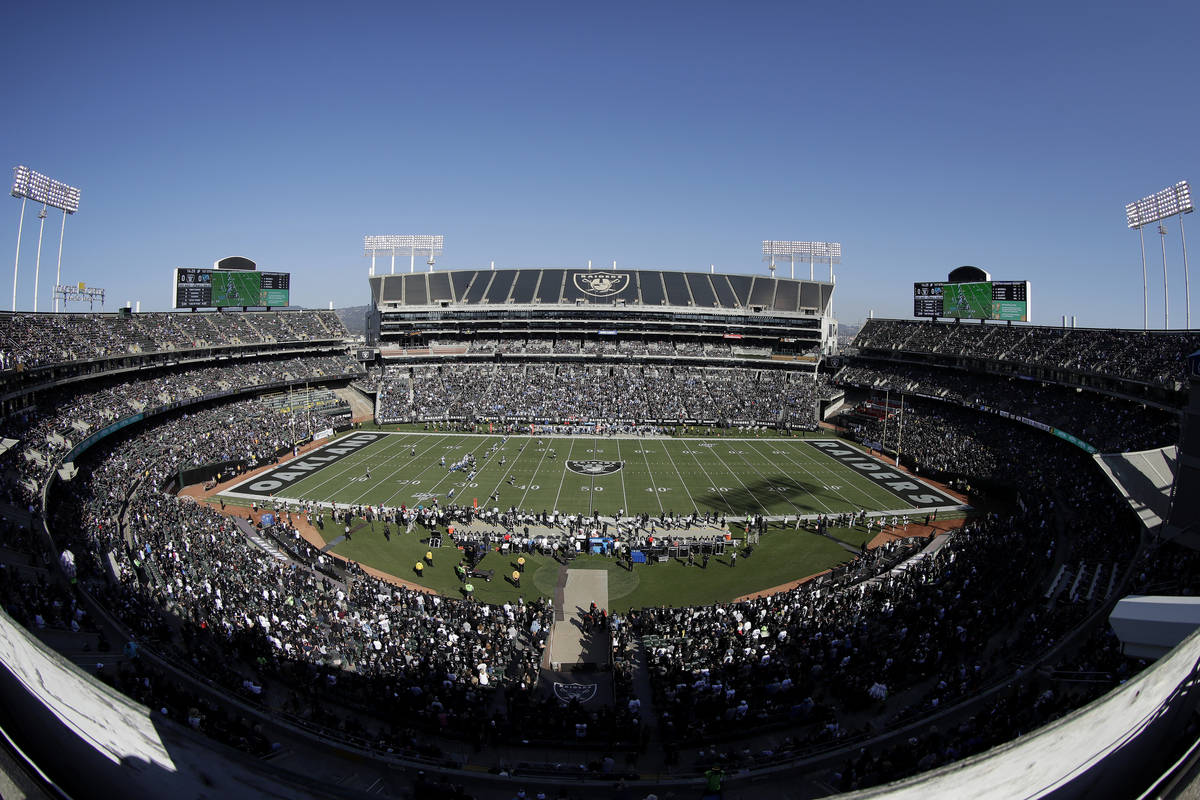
[{"x": 730, "y": 476}]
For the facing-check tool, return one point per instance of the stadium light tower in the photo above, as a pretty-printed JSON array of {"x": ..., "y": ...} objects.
[
  {"x": 814, "y": 252},
  {"x": 30, "y": 185},
  {"x": 411, "y": 243},
  {"x": 1173, "y": 201}
]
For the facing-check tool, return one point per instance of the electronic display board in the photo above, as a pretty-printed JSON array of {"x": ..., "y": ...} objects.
[
  {"x": 220, "y": 288},
  {"x": 995, "y": 300},
  {"x": 927, "y": 299}
]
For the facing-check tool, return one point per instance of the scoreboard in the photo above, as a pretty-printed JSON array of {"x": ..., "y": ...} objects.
[
  {"x": 927, "y": 299},
  {"x": 996, "y": 300},
  {"x": 222, "y": 288}
]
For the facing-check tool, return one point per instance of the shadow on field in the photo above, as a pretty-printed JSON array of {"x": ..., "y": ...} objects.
[{"x": 775, "y": 494}]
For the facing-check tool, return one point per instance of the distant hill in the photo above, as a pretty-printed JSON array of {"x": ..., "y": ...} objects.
[{"x": 354, "y": 318}]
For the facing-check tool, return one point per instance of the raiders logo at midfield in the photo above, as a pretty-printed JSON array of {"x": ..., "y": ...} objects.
[
  {"x": 595, "y": 468},
  {"x": 566, "y": 692},
  {"x": 601, "y": 284}
]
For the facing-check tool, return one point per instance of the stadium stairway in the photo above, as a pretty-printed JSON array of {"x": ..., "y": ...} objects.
[
  {"x": 263, "y": 544},
  {"x": 360, "y": 406}
]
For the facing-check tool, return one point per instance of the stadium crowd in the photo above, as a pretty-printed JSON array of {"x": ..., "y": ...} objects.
[
  {"x": 610, "y": 393},
  {"x": 33, "y": 340},
  {"x": 249, "y": 618},
  {"x": 1108, "y": 423},
  {"x": 820, "y": 665},
  {"x": 1156, "y": 357},
  {"x": 818, "y": 662},
  {"x": 67, "y": 415}
]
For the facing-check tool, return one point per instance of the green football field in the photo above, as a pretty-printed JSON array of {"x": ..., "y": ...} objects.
[{"x": 731, "y": 476}]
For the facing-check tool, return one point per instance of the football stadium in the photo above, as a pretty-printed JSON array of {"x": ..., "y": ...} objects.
[
  {"x": 602, "y": 494},
  {"x": 559, "y": 529}
]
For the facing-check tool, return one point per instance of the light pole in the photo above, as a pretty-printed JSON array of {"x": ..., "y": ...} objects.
[
  {"x": 58, "y": 272},
  {"x": 30, "y": 185},
  {"x": 17, "y": 261},
  {"x": 1172, "y": 201},
  {"x": 37, "y": 264},
  {"x": 817, "y": 253},
  {"x": 411, "y": 242},
  {"x": 1145, "y": 284},
  {"x": 1162, "y": 235},
  {"x": 1187, "y": 284}
]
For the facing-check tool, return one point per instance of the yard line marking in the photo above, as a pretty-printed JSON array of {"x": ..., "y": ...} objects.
[
  {"x": 682, "y": 482},
  {"x": 507, "y": 472},
  {"x": 350, "y": 464},
  {"x": 624, "y": 496},
  {"x": 412, "y": 460},
  {"x": 653, "y": 485},
  {"x": 428, "y": 466},
  {"x": 545, "y": 451},
  {"x": 716, "y": 486},
  {"x": 713, "y": 449},
  {"x": 816, "y": 497},
  {"x": 592, "y": 488},
  {"x": 391, "y": 474},
  {"x": 482, "y": 442},
  {"x": 830, "y": 472},
  {"x": 750, "y": 464},
  {"x": 563, "y": 467}
]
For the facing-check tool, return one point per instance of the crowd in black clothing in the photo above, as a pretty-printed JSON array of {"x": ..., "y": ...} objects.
[
  {"x": 812, "y": 661},
  {"x": 1107, "y": 423},
  {"x": 50, "y": 430},
  {"x": 249, "y": 620},
  {"x": 1156, "y": 357},
  {"x": 627, "y": 393},
  {"x": 816, "y": 662},
  {"x": 33, "y": 340},
  {"x": 571, "y": 345}
]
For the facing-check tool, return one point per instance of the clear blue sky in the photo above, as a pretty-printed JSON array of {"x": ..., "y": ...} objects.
[{"x": 678, "y": 135}]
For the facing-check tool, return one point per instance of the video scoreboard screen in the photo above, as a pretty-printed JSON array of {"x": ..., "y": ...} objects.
[
  {"x": 997, "y": 300},
  {"x": 222, "y": 288}
]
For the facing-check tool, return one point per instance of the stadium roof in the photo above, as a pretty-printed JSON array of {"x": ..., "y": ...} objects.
[{"x": 647, "y": 288}]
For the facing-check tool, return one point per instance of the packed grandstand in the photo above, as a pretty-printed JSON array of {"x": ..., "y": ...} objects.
[{"x": 908, "y": 655}]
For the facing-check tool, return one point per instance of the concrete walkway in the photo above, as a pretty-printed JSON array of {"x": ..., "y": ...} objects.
[{"x": 571, "y": 641}]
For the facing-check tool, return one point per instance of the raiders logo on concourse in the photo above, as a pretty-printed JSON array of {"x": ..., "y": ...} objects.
[{"x": 594, "y": 468}]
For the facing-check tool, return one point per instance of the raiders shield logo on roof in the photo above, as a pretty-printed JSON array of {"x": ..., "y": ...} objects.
[
  {"x": 594, "y": 469},
  {"x": 567, "y": 692},
  {"x": 601, "y": 284}
]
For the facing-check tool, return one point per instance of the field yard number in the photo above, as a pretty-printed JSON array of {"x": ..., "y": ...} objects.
[
  {"x": 595, "y": 450},
  {"x": 719, "y": 489},
  {"x": 833, "y": 488},
  {"x": 659, "y": 489},
  {"x": 408, "y": 482},
  {"x": 533, "y": 487},
  {"x": 591, "y": 488},
  {"x": 737, "y": 452},
  {"x": 642, "y": 452}
]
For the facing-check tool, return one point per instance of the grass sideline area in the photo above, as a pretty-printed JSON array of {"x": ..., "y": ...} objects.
[{"x": 780, "y": 556}]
